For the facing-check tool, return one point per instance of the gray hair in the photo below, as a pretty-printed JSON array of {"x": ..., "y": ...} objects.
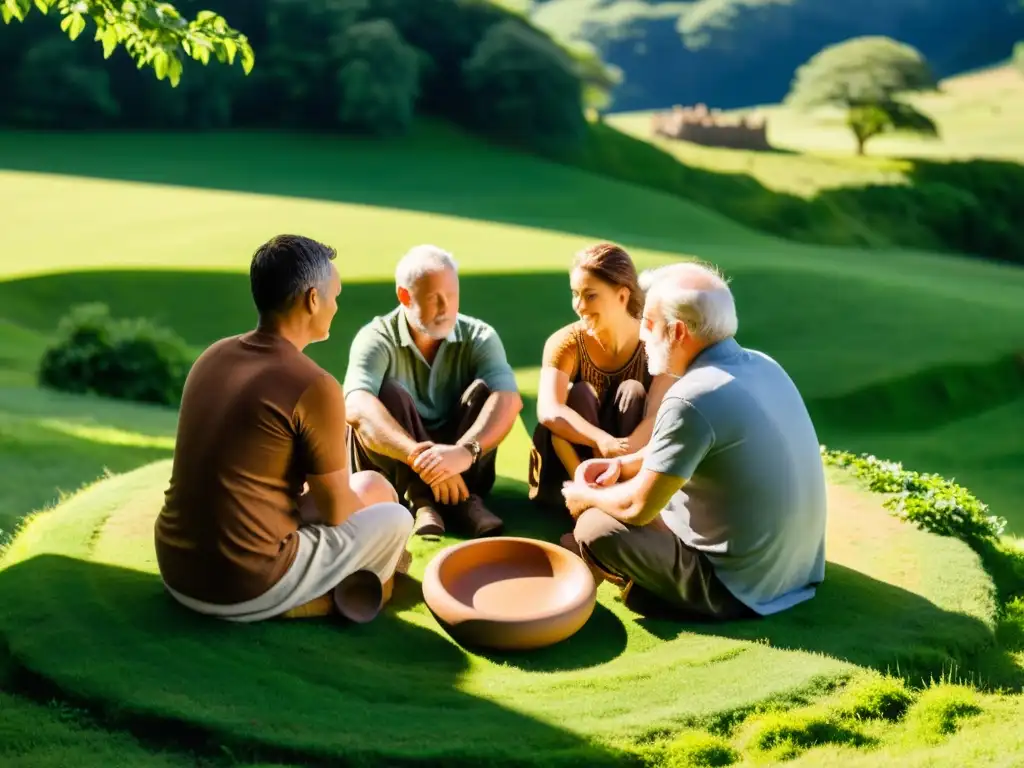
[
  {"x": 421, "y": 260},
  {"x": 696, "y": 295}
]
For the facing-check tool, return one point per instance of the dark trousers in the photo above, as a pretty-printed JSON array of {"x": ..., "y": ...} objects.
[
  {"x": 659, "y": 574},
  {"x": 411, "y": 489},
  {"x": 619, "y": 413}
]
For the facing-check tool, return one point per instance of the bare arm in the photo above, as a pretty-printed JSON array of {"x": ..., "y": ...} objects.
[
  {"x": 377, "y": 428},
  {"x": 333, "y": 497},
  {"x": 495, "y": 421},
  {"x": 553, "y": 413},
  {"x": 642, "y": 434},
  {"x": 319, "y": 415},
  {"x": 637, "y": 501}
]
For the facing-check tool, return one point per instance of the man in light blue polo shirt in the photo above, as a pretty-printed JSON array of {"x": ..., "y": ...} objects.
[
  {"x": 430, "y": 396},
  {"x": 723, "y": 513}
]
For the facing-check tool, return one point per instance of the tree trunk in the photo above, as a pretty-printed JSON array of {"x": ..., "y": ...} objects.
[{"x": 861, "y": 141}]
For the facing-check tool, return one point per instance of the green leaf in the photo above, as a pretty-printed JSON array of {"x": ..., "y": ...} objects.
[
  {"x": 76, "y": 25},
  {"x": 187, "y": 46},
  {"x": 14, "y": 8},
  {"x": 248, "y": 59},
  {"x": 230, "y": 49},
  {"x": 203, "y": 16},
  {"x": 5, "y": 12},
  {"x": 160, "y": 62},
  {"x": 43, "y": 6},
  {"x": 109, "y": 41},
  {"x": 174, "y": 70}
]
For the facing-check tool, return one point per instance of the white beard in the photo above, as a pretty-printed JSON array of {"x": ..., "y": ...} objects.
[
  {"x": 437, "y": 331},
  {"x": 657, "y": 356}
]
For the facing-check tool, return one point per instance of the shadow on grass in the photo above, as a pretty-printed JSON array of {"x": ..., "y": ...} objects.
[
  {"x": 436, "y": 170},
  {"x": 39, "y": 461},
  {"x": 867, "y": 622},
  {"x": 111, "y": 640}
]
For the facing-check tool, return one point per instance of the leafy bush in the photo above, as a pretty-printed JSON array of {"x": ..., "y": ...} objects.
[
  {"x": 54, "y": 78},
  {"x": 930, "y": 501},
  {"x": 524, "y": 88},
  {"x": 126, "y": 359},
  {"x": 378, "y": 78}
]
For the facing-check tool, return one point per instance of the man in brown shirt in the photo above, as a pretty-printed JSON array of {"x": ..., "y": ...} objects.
[{"x": 260, "y": 422}]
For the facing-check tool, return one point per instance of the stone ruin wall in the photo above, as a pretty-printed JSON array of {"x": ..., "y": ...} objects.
[{"x": 708, "y": 127}]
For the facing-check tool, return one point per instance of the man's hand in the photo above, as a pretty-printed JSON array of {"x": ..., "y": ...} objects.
[
  {"x": 439, "y": 463},
  {"x": 451, "y": 491},
  {"x": 577, "y": 498},
  {"x": 599, "y": 473},
  {"x": 609, "y": 447},
  {"x": 417, "y": 451}
]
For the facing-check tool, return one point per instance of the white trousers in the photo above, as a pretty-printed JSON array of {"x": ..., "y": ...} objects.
[{"x": 372, "y": 539}]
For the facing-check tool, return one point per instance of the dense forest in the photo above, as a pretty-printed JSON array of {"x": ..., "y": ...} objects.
[
  {"x": 734, "y": 53},
  {"x": 360, "y": 66}
]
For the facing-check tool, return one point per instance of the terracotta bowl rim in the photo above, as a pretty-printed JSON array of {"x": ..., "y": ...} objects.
[{"x": 472, "y": 614}]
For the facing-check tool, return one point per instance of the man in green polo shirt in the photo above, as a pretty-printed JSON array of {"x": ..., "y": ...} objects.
[{"x": 430, "y": 396}]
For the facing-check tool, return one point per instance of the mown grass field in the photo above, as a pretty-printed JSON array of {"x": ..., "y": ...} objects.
[
  {"x": 164, "y": 227},
  {"x": 979, "y": 116}
]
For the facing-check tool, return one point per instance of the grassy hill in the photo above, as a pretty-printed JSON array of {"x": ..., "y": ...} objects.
[
  {"x": 514, "y": 222},
  {"x": 163, "y": 226},
  {"x": 978, "y": 115}
]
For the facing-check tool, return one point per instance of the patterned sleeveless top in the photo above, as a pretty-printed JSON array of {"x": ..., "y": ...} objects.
[{"x": 568, "y": 343}]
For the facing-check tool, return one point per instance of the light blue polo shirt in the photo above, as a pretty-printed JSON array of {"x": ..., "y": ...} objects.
[
  {"x": 736, "y": 429},
  {"x": 384, "y": 348}
]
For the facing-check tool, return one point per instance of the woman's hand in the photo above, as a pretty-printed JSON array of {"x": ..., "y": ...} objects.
[{"x": 609, "y": 447}]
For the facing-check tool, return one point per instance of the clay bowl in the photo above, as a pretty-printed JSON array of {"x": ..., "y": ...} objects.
[{"x": 509, "y": 593}]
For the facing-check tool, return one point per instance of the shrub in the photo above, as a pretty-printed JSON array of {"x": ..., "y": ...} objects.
[
  {"x": 55, "y": 78},
  {"x": 378, "y": 78},
  {"x": 126, "y": 359},
  {"x": 524, "y": 88},
  {"x": 931, "y": 501}
]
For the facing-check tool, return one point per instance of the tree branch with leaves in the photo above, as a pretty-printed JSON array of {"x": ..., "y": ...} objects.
[
  {"x": 154, "y": 34},
  {"x": 867, "y": 76}
]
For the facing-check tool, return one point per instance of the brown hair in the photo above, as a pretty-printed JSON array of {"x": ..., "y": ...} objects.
[{"x": 610, "y": 263}]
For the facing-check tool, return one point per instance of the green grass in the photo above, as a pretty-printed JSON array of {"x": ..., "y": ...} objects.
[
  {"x": 53, "y": 444},
  {"x": 922, "y": 603},
  {"x": 978, "y": 117},
  {"x": 168, "y": 232}
]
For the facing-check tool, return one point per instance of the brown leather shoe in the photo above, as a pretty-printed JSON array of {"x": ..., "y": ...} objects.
[
  {"x": 429, "y": 524},
  {"x": 479, "y": 519}
]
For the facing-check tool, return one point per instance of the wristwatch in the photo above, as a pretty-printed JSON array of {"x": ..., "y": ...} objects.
[{"x": 474, "y": 449}]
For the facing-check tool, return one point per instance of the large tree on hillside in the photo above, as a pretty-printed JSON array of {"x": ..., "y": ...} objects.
[
  {"x": 153, "y": 33},
  {"x": 867, "y": 76}
]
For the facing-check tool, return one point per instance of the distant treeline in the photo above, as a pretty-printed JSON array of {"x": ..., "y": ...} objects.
[
  {"x": 737, "y": 53},
  {"x": 362, "y": 66}
]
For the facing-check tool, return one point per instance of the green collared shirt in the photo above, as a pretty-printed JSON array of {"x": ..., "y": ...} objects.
[{"x": 384, "y": 349}]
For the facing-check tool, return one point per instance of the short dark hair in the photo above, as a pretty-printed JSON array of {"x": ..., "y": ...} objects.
[{"x": 284, "y": 268}]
